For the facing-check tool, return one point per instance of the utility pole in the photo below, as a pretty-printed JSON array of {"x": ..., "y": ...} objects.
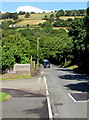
[{"x": 38, "y": 51}]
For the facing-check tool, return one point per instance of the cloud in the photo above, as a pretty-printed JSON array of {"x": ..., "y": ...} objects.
[
  {"x": 2, "y": 11},
  {"x": 30, "y": 9}
]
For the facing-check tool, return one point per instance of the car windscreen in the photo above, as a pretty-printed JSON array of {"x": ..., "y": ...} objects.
[{"x": 46, "y": 62}]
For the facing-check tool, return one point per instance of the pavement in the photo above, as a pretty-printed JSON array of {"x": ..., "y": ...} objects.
[{"x": 28, "y": 101}]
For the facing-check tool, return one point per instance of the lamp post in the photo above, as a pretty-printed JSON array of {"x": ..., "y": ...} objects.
[{"x": 38, "y": 51}]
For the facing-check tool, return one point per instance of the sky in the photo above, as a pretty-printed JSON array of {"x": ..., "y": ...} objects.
[{"x": 12, "y": 6}]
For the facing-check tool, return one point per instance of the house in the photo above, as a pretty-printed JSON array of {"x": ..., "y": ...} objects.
[{"x": 19, "y": 26}]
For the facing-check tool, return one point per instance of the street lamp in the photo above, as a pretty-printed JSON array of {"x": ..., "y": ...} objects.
[{"x": 37, "y": 51}]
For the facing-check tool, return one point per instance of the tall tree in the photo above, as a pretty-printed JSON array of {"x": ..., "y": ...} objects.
[{"x": 27, "y": 15}]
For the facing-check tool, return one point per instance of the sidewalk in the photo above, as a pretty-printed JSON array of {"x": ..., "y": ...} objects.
[{"x": 28, "y": 99}]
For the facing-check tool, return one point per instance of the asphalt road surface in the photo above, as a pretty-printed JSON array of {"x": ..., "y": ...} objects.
[
  {"x": 61, "y": 83},
  {"x": 67, "y": 96},
  {"x": 28, "y": 101}
]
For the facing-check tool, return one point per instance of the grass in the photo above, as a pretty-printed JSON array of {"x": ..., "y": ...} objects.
[
  {"x": 38, "y": 16},
  {"x": 73, "y": 67},
  {"x": 14, "y": 77},
  {"x": 65, "y": 28},
  {"x": 66, "y": 17},
  {"x": 28, "y": 21},
  {"x": 4, "y": 96}
]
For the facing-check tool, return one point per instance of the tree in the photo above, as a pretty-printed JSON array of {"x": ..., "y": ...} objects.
[
  {"x": 68, "y": 13},
  {"x": 6, "y": 15},
  {"x": 47, "y": 24},
  {"x": 61, "y": 12},
  {"x": 28, "y": 25},
  {"x": 57, "y": 14},
  {"x": 69, "y": 19},
  {"x": 21, "y": 13},
  {"x": 15, "y": 49},
  {"x": 52, "y": 15},
  {"x": 15, "y": 16},
  {"x": 46, "y": 18},
  {"x": 5, "y": 24},
  {"x": 80, "y": 32},
  {"x": 27, "y": 15}
]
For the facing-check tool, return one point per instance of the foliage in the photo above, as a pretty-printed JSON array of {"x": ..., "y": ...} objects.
[
  {"x": 5, "y": 24},
  {"x": 46, "y": 24},
  {"x": 7, "y": 15},
  {"x": 15, "y": 16},
  {"x": 15, "y": 49},
  {"x": 66, "y": 64},
  {"x": 27, "y": 15},
  {"x": 56, "y": 45},
  {"x": 79, "y": 30},
  {"x": 60, "y": 13},
  {"x": 21, "y": 13},
  {"x": 20, "y": 45}
]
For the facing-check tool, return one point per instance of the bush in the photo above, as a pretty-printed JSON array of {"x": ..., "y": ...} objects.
[{"x": 67, "y": 64}]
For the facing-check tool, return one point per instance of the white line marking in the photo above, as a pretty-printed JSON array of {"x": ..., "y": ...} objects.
[
  {"x": 49, "y": 108},
  {"x": 71, "y": 97},
  {"x": 76, "y": 100},
  {"x": 48, "y": 100},
  {"x": 45, "y": 79},
  {"x": 56, "y": 114},
  {"x": 39, "y": 79}
]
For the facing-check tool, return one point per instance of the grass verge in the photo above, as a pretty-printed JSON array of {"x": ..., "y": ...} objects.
[
  {"x": 73, "y": 67},
  {"x": 16, "y": 77},
  {"x": 4, "y": 96}
]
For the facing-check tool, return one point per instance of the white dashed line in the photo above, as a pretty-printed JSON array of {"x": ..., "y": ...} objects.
[{"x": 48, "y": 100}]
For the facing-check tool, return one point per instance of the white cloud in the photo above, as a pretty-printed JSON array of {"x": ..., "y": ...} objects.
[
  {"x": 2, "y": 11},
  {"x": 30, "y": 9}
]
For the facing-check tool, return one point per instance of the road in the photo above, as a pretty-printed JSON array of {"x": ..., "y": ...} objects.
[
  {"x": 28, "y": 101},
  {"x": 61, "y": 83}
]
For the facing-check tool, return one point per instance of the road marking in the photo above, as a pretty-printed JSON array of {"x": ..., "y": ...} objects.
[
  {"x": 71, "y": 97},
  {"x": 39, "y": 79},
  {"x": 56, "y": 114},
  {"x": 76, "y": 100},
  {"x": 48, "y": 100}
]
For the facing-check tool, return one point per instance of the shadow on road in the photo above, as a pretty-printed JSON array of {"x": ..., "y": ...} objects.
[
  {"x": 83, "y": 87},
  {"x": 41, "y": 111},
  {"x": 21, "y": 93},
  {"x": 74, "y": 77}
]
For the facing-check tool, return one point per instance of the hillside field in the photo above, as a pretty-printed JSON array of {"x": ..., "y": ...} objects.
[{"x": 37, "y": 18}]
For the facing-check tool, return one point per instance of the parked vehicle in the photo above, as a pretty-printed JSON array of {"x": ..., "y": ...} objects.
[{"x": 46, "y": 64}]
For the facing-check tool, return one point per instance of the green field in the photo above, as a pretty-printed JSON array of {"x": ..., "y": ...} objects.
[{"x": 37, "y": 18}]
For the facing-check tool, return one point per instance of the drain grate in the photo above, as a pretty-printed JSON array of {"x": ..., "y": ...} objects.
[{"x": 80, "y": 96}]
